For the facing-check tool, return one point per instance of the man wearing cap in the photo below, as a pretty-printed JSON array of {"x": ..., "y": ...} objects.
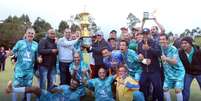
[
  {"x": 190, "y": 56},
  {"x": 96, "y": 48},
  {"x": 113, "y": 43},
  {"x": 149, "y": 54},
  {"x": 113, "y": 34},
  {"x": 124, "y": 34}
]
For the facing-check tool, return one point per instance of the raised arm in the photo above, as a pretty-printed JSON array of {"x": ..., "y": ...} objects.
[{"x": 162, "y": 29}]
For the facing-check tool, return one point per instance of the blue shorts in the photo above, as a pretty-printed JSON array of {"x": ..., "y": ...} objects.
[
  {"x": 23, "y": 80},
  {"x": 173, "y": 84}
]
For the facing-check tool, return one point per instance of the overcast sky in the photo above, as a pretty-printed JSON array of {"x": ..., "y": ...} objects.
[{"x": 174, "y": 15}]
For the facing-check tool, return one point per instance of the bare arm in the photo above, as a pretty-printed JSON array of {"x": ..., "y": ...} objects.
[{"x": 162, "y": 29}]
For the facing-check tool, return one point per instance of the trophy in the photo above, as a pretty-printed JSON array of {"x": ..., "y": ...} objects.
[
  {"x": 148, "y": 16},
  {"x": 85, "y": 34}
]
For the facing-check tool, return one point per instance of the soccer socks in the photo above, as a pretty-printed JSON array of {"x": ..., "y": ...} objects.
[
  {"x": 167, "y": 96},
  {"x": 14, "y": 97},
  {"x": 179, "y": 96},
  {"x": 28, "y": 96},
  {"x": 19, "y": 90}
]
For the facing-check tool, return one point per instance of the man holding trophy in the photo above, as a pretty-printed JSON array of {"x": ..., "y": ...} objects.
[
  {"x": 155, "y": 34},
  {"x": 149, "y": 54}
]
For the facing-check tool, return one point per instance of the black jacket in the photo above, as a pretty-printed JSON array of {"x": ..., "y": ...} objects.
[
  {"x": 2, "y": 56},
  {"x": 153, "y": 53},
  {"x": 193, "y": 68},
  {"x": 45, "y": 50}
]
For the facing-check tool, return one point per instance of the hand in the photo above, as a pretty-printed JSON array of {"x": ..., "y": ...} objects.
[
  {"x": 10, "y": 53},
  {"x": 39, "y": 59},
  {"x": 75, "y": 68},
  {"x": 148, "y": 61},
  {"x": 84, "y": 71},
  {"x": 145, "y": 47},
  {"x": 140, "y": 57},
  {"x": 114, "y": 63},
  {"x": 163, "y": 58},
  {"x": 54, "y": 50}
]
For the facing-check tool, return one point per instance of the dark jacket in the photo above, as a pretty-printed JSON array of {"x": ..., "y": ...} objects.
[
  {"x": 153, "y": 53},
  {"x": 194, "y": 67},
  {"x": 2, "y": 56},
  {"x": 96, "y": 49},
  {"x": 45, "y": 50}
]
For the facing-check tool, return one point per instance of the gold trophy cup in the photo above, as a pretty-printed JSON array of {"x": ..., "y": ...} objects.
[
  {"x": 84, "y": 22},
  {"x": 85, "y": 34}
]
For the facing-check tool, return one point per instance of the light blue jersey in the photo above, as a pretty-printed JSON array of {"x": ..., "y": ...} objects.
[
  {"x": 80, "y": 75},
  {"x": 82, "y": 66},
  {"x": 174, "y": 73},
  {"x": 131, "y": 59},
  {"x": 66, "y": 95},
  {"x": 26, "y": 53},
  {"x": 103, "y": 88}
]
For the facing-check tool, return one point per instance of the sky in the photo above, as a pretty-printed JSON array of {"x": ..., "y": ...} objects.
[{"x": 174, "y": 15}]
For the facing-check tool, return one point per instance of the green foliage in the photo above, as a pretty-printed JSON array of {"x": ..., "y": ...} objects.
[
  {"x": 74, "y": 27},
  {"x": 133, "y": 20},
  {"x": 41, "y": 25},
  {"x": 198, "y": 40},
  {"x": 62, "y": 26},
  {"x": 13, "y": 29},
  {"x": 39, "y": 36}
]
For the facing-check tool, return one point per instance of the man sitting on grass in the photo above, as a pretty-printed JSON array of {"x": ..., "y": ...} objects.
[{"x": 60, "y": 93}]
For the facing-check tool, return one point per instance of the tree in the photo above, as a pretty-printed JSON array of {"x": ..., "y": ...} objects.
[
  {"x": 93, "y": 28},
  {"x": 12, "y": 29},
  {"x": 25, "y": 20},
  {"x": 74, "y": 27},
  {"x": 133, "y": 20},
  {"x": 63, "y": 25},
  {"x": 75, "y": 22},
  {"x": 170, "y": 34},
  {"x": 41, "y": 25}
]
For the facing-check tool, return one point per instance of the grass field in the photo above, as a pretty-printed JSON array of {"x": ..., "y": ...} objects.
[{"x": 8, "y": 74}]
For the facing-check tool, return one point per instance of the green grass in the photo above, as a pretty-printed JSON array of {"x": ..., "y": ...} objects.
[{"x": 8, "y": 74}]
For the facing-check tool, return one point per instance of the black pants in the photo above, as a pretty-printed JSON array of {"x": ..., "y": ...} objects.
[
  {"x": 2, "y": 65},
  {"x": 65, "y": 76},
  {"x": 155, "y": 80}
]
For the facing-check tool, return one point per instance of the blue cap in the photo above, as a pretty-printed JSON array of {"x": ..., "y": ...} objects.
[{"x": 146, "y": 31}]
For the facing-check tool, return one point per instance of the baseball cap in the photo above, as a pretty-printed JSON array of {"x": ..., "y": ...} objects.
[
  {"x": 146, "y": 31},
  {"x": 124, "y": 28},
  {"x": 99, "y": 33},
  {"x": 113, "y": 31}
]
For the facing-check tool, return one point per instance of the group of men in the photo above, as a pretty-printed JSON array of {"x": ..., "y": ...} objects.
[{"x": 138, "y": 65}]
